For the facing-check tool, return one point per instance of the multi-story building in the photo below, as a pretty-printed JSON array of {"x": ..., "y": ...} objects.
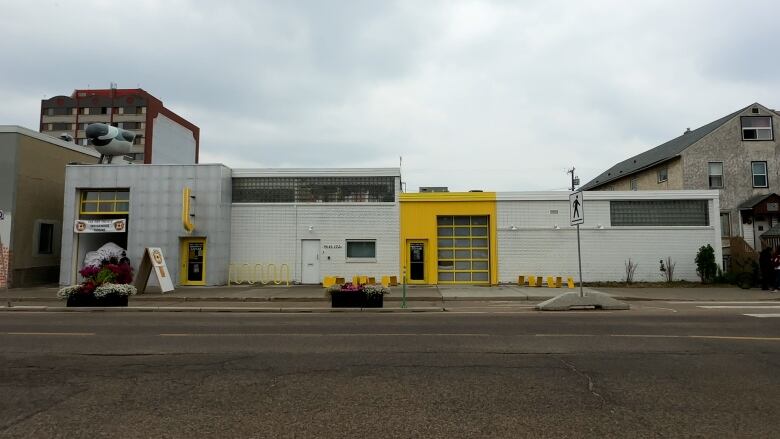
[
  {"x": 736, "y": 154},
  {"x": 162, "y": 136}
]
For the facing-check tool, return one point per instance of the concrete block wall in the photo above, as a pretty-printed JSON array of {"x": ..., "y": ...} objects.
[
  {"x": 529, "y": 243},
  {"x": 271, "y": 233}
]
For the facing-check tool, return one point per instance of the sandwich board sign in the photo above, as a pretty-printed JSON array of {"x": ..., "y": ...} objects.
[
  {"x": 153, "y": 261},
  {"x": 576, "y": 209}
]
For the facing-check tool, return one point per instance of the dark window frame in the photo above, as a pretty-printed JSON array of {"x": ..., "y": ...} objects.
[
  {"x": 665, "y": 177},
  {"x": 765, "y": 174},
  {"x": 659, "y": 213},
  {"x": 359, "y": 258},
  {"x": 339, "y": 189},
  {"x": 710, "y": 175},
  {"x": 770, "y": 128}
]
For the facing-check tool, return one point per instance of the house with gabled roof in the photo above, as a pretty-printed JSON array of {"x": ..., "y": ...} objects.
[{"x": 737, "y": 154}]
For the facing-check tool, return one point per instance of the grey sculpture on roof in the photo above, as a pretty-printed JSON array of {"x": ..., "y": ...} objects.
[{"x": 109, "y": 140}]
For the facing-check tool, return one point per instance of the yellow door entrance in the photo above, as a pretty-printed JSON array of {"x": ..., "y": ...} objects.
[{"x": 193, "y": 261}]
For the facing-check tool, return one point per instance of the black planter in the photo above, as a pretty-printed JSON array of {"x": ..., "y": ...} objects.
[
  {"x": 374, "y": 301},
  {"x": 91, "y": 300},
  {"x": 347, "y": 299},
  {"x": 355, "y": 299}
]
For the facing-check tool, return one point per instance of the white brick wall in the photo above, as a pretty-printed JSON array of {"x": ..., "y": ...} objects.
[
  {"x": 537, "y": 248},
  {"x": 272, "y": 233}
]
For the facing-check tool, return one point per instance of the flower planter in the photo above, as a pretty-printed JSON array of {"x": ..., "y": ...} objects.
[
  {"x": 347, "y": 299},
  {"x": 92, "y": 301},
  {"x": 374, "y": 301}
]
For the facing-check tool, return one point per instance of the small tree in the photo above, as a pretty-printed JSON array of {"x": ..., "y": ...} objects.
[
  {"x": 667, "y": 269},
  {"x": 630, "y": 269},
  {"x": 706, "y": 267}
]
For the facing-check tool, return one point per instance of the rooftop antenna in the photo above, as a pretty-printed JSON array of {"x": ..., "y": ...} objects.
[{"x": 113, "y": 85}]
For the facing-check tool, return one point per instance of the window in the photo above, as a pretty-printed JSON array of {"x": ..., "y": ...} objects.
[
  {"x": 716, "y": 175},
  {"x": 105, "y": 202},
  {"x": 757, "y": 128},
  {"x": 759, "y": 174},
  {"x": 313, "y": 189},
  {"x": 633, "y": 184},
  {"x": 45, "y": 238},
  {"x": 663, "y": 174},
  {"x": 361, "y": 250},
  {"x": 463, "y": 249},
  {"x": 725, "y": 224},
  {"x": 659, "y": 213}
]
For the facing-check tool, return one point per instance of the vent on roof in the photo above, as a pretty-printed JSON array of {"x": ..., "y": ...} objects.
[
  {"x": 687, "y": 130},
  {"x": 754, "y": 110}
]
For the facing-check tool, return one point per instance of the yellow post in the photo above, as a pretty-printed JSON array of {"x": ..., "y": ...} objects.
[
  {"x": 521, "y": 280},
  {"x": 531, "y": 281},
  {"x": 328, "y": 281},
  {"x": 355, "y": 280},
  {"x": 362, "y": 280},
  {"x": 370, "y": 280},
  {"x": 550, "y": 282},
  {"x": 539, "y": 281},
  {"x": 393, "y": 281},
  {"x": 558, "y": 282},
  {"x": 570, "y": 283}
]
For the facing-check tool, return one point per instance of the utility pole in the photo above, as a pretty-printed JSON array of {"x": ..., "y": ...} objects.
[{"x": 575, "y": 181}]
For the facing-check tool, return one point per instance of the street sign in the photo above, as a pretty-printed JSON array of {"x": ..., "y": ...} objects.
[{"x": 576, "y": 208}]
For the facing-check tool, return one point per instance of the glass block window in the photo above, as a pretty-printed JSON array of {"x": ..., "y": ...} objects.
[
  {"x": 659, "y": 213},
  {"x": 757, "y": 128},
  {"x": 105, "y": 202},
  {"x": 361, "y": 250},
  {"x": 313, "y": 189},
  {"x": 463, "y": 249}
]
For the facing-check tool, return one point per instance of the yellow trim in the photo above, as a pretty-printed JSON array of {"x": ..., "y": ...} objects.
[
  {"x": 84, "y": 204},
  {"x": 185, "y": 210},
  {"x": 419, "y": 213},
  {"x": 185, "y": 254}
]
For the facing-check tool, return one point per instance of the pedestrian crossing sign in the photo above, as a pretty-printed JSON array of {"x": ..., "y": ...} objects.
[{"x": 576, "y": 208}]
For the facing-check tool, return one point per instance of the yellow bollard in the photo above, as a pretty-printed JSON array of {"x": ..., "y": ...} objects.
[
  {"x": 355, "y": 280},
  {"x": 558, "y": 282},
  {"x": 328, "y": 281},
  {"x": 362, "y": 280},
  {"x": 550, "y": 282},
  {"x": 539, "y": 281},
  {"x": 371, "y": 280},
  {"x": 393, "y": 281},
  {"x": 339, "y": 280},
  {"x": 531, "y": 281},
  {"x": 521, "y": 280},
  {"x": 570, "y": 283}
]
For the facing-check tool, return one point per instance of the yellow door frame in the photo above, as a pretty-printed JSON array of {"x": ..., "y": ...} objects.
[
  {"x": 185, "y": 255},
  {"x": 426, "y": 259}
]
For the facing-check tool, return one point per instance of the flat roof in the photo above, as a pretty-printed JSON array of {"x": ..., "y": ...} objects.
[
  {"x": 317, "y": 172},
  {"x": 610, "y": 195},
  {"x": 49, "y": 139}
]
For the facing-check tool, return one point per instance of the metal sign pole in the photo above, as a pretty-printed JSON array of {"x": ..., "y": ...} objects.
[
  {"x": 579, "y": 259},
  {"x": 403, "y": 303}
]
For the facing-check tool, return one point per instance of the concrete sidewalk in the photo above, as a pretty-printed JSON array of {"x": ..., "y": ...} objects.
[{"x": 313, "y": 296}]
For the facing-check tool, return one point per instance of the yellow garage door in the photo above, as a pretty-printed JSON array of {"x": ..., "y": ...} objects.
[{"x": 463, "y": 250}]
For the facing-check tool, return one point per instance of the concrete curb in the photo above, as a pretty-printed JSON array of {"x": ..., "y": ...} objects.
[{"x": 217, "y": 309}]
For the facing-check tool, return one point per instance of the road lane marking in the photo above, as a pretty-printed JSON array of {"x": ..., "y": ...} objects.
[
  {"x": 658, "y": 307},
  {"x": 733, "y": 302},
  {"x": 762, "y": 315},
  {"x": 706, "y": 337},
  {"x": 266, "y": 334},
  {"x": 740, "y": 307},
  {"x": 66, "y": 334}
]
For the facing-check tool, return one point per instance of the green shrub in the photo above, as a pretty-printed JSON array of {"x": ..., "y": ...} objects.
[{"x": 706, "y": 267}]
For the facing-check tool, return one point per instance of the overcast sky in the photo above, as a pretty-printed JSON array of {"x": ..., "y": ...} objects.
[{"x": 493, "y": 95}]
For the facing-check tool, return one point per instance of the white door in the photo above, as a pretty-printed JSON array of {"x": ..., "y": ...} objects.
[{"x": 310, "y": 261}]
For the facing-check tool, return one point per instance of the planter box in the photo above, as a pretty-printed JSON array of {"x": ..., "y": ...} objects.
[
  {"x": 355, "y": 299},
  {"x": 92, "y": 301}
]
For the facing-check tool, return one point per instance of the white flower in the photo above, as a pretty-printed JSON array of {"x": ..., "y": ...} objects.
[
  {"x": 118, "y": 289},
  {"x": 66, "y": 292}
]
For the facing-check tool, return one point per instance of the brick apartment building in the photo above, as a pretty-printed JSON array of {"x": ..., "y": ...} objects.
[{"x": 162, "y": 136}]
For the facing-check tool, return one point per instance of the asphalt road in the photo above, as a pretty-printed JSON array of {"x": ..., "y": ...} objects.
[{"x": 660, "y": 370}]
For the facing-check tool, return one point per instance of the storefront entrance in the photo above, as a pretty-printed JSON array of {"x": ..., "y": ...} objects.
[
  {"x": 415, "y": 255},
  {"x": 193, "y": 261}
]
